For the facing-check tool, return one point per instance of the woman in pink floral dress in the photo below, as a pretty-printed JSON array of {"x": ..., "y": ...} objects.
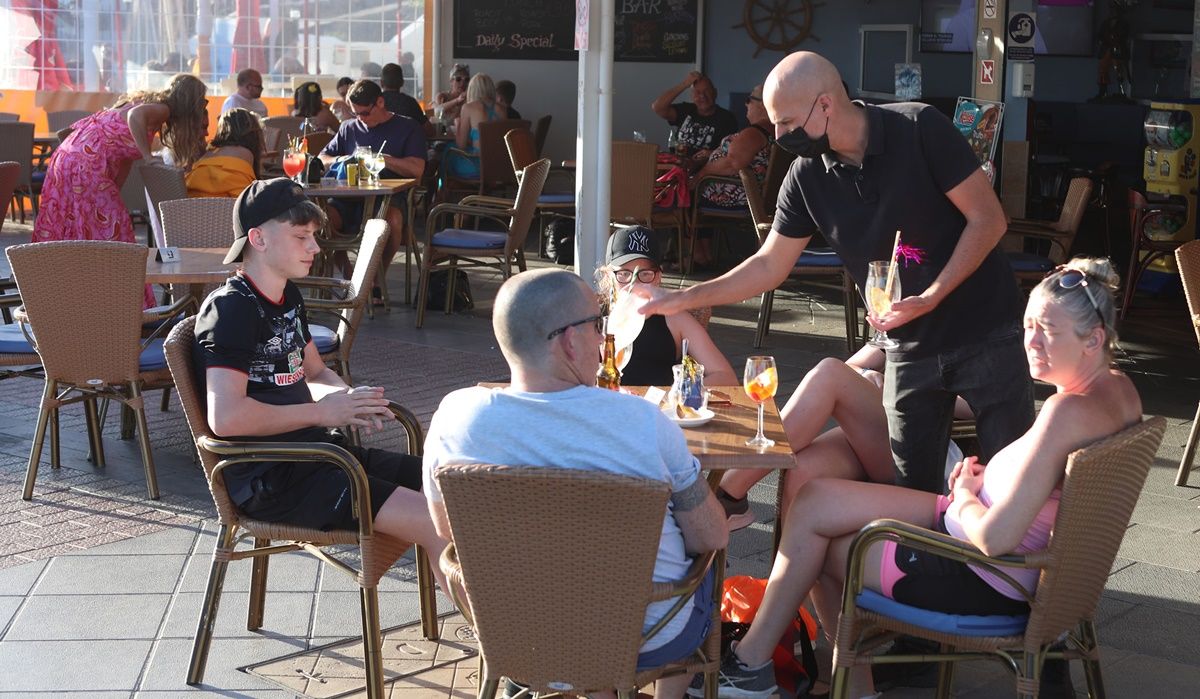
[{"x": 81, "y": 196}]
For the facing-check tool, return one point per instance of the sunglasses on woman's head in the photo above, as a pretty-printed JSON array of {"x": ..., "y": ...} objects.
[{"x": 1072, "y": 278}]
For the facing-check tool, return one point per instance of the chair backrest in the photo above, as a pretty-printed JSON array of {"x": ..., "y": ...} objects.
[
  {"x": 778, "y": 164},
  {"x": 133, "y": 194},
  {"x": 521, "y": 149},
  {"x": 370, "y": 256},
  {"x": 540, "y": 129},
  {"x": 179, "y": 348},
  {"x": 198, "y": 222},
  {"x": 16, "y": 145},
  {"x": 65, "y": 118},
  {"x": 95, "y": 332},
  {"x": 163, "y": 183},
  {"x": 9, "y": 172},
  {"x": 1100, "y": 490},
  {"x": 317, "y": 142},
  {"x": 1188, "y": 257},
  {"x": 593, "y": 539},
  {"x": 9, "y": 117},
  {"x": 271, "y": 138},
  {"x": 533, "y": 178},
  {"x": 495, "y": 169},
  {"x": 633, "y": 172},
  {"x": 1079, "y": 191},
  {"x": 289, "y": 126},
  {"x": 759, "y": 215}
]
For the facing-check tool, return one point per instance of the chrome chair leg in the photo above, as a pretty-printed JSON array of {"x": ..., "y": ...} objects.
[
  {"x": 143, "y": 429},
  {"x": 226, "y": 540},
  {"x": 372, "y": 642},
  {"x": 258, "y": 587},
  {"x": 39, "y": 437},
  {"x": 55, "y": 440},
  {"x": 426, "y": 594}
]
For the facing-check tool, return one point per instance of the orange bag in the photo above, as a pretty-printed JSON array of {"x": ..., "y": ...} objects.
[{"x": 794, "y": 659}]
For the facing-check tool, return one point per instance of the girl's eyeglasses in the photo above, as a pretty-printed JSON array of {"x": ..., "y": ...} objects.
[
  {"x": 645, "y": 276},
  {"x": 1071, "y": 278}
]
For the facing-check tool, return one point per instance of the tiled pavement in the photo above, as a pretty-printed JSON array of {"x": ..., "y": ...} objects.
[{"x": 100, "y": 588}]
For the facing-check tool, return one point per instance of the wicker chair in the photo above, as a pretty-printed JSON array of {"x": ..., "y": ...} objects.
[
  {"x": 16, "y": 145},
  {"x": 1100, "y": 489},
  {"x": 815, "y": 263},
  {"x": 8, "y": 117},
  {"x": 10, "y": 172},
  {"x": 598, "y": 535},
  {"x": 163, "y": 183},
  {"x": 65, "y": 118},
  {"x": 634, "y": 168},
  {"x": 197, "y": 222},
  {"x": 1145, "y": 217},
  {"x": 496, "y": 176},
  {"x": 449, "y": 246},
  {"x": 317, "y": 142},
  {"x": 522, "y": 152},
  {"x": 289, "y": 127},
  {"x": 1030, "y": 267},
  {"x": 334, "y": 343},
  {"x": 1188, "y": 258},
  {"x": 379, "y": 551},
  {"x": 92, "y": 346},
  {"x": 541, "y": 129}
]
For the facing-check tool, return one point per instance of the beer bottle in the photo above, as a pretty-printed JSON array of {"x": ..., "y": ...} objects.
[{"x": 608, "y": 376}]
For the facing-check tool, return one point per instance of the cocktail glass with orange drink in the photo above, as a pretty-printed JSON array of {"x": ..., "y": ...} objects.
[
  {"x": 882, "y": 290},
  {"x": 294, "y": 162},
  {"x": 761, "y": 380}
]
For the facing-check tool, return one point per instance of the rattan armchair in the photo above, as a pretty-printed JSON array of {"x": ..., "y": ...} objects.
[
  {"x": 1055, "y": 237},
  {"x": 495, "y": 172},
  {"x": 595, "y": 536},
  {"x": 379, "y": 552},
  {"x": 1188, "y": 258},
  {"x": 334, "y": 343},
  {"x": 197, "y": 222},
  {"x": 91, "y": 345},
  {"x": 1100, "y": 490},
  {"x": 65, "y": 118},
  {"x": 163, "y": 183},
  {"x": 16, "y": 145},
  {"x": 10, "y": 172},
  {"x": 450, "y": 246}
]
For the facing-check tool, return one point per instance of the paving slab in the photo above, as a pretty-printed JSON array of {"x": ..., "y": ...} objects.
[
  {"x": 19, "y": 580},
  {"x": 1138, "y": 675},
  {"x": 177, "y": 539},
  {"x": 1167, "y": 512},
  {"x": 1143, "y": 583},
  {"x": 286, "y": 614},
  {"x": 295, "y": 572},
  {"x": 167, "y": 669},
  {"x": 122, "y": 573},
  {"x": 86, "y": 617},
  {"x": 77, "y": 665},
  {"x": 1168, "y": 634},
  {"x": 8, "y": 609},
  {"x": 1160, "y": 546}
]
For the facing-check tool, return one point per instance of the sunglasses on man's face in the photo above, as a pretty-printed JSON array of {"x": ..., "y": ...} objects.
[
  {"x": 597, "y": 321},
  {"x": 752, "y": 98},
  {"x": 364, "y": 112}
]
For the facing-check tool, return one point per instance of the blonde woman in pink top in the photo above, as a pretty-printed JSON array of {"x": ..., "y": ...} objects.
[{"x": 1002, "y": 507}]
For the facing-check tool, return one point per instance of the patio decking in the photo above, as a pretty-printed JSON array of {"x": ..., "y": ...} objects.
[{"x": 100, "y": 588}]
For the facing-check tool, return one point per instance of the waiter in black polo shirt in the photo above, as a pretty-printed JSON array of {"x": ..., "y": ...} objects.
[{"x": 865, "y": 172}]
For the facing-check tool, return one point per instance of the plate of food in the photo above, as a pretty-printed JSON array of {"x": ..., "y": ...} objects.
[{"x": 689, "y": 417}]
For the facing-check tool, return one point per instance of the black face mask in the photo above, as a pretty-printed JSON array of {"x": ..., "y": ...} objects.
[{"x": 800, "y": 144}]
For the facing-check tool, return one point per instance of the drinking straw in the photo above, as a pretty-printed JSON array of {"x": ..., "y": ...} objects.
[
  {"x": 381, "y": 145},
  {"x": 891, "y": 277}
]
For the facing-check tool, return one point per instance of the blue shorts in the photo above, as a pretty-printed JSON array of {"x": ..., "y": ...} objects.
[{"x": 694, "y": 631}]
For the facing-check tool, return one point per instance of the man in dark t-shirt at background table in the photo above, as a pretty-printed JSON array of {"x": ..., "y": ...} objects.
[{"x": 702, "y": 122}]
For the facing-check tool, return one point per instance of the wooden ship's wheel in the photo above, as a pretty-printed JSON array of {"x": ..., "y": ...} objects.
[{"x": 778, "y": 25}]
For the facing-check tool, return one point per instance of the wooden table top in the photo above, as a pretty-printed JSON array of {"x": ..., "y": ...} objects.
[
  {"x": 196, "y": 266},
  {"x": 721, "y": 443},
  {"x": 344, "y": 191}
]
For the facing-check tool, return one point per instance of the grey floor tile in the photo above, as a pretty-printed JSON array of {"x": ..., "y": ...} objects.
[
  {"x": 81, "y": 574},
  {"x": 1138, "y": 675},
  {"x": 285, "y": 614},
  {"x": 401, "y": 578},
  {"x": 290, "y": 572},
  {"x": 84, "y": 617},
  {"x": 176, "y": 539},
  {"x": 8, "y": 608},
  {"x": 167, "y": 670},
  {"x": 18, "y": 580},
  {"x": 62, "y": 694},
  {"x": 1168, "y": 513},
  {"x": 1143, "y": 583},
  {"x": 1163, "y": 633},
  {"x": 77, "y": 665},
  {"x": 1164, "y": 547},
  {"x": 338, "y": 612},
  {"x": 209, "y": 691}
]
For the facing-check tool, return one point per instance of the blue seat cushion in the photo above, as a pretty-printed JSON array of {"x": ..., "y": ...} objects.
[
  {"x": 12, "y": 340},
  {"x": 819, "y": 257},
  {"x": 152, "y": 358},
  {"x": 463, "y": 238},
  {"x": 1029, "y": 262},
  {"x": 959, "y": 624},
  {"x": 564, "y": 198},
  {"x": 325, "y": 339}
]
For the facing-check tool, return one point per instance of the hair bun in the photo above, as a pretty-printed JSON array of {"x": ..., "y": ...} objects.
[{"x": 1099, "y": 268}]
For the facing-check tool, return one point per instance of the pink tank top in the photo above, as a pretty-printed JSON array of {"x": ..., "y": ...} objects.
[{"x": 1035, "y": 539}]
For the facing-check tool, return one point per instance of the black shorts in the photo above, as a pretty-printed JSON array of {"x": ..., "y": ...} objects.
[
  {"x": 942, "y": 585},
  {"x": 317, "y": 495}
]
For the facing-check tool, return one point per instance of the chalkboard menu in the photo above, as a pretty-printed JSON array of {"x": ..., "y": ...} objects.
[
  {"x": 521, "y": 29},
  {"x": 656, "y": 31},
  {"x": 652, "y": 31}
]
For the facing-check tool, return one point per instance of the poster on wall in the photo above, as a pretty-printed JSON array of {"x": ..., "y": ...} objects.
[
  {"x": 979, "y": 122},
  {"x": 656, "y": 31},
  {"x": 908, "y": 81}
]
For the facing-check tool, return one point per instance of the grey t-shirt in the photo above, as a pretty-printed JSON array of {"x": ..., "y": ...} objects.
[{"x": 584, "y": 428}]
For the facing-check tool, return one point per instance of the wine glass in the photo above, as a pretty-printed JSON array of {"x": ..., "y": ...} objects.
[
  {"x": 880, "y": 298},
  {"x": 375, "y": 165},
  {"x": 293, "y": 164},
  {"x": 760, "y": 380}
]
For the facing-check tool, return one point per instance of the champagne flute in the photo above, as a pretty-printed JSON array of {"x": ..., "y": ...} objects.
[
  {"x": 882, "y": 290},
  {"x": 761, "y": 380}
]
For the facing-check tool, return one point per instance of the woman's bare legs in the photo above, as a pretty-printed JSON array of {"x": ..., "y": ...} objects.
[{"x": 824, "y": 511}]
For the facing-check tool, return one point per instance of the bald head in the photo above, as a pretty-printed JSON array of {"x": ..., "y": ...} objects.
[
  {"x": 802, "y": 75},
  {"x": 531, "y": 305}
]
